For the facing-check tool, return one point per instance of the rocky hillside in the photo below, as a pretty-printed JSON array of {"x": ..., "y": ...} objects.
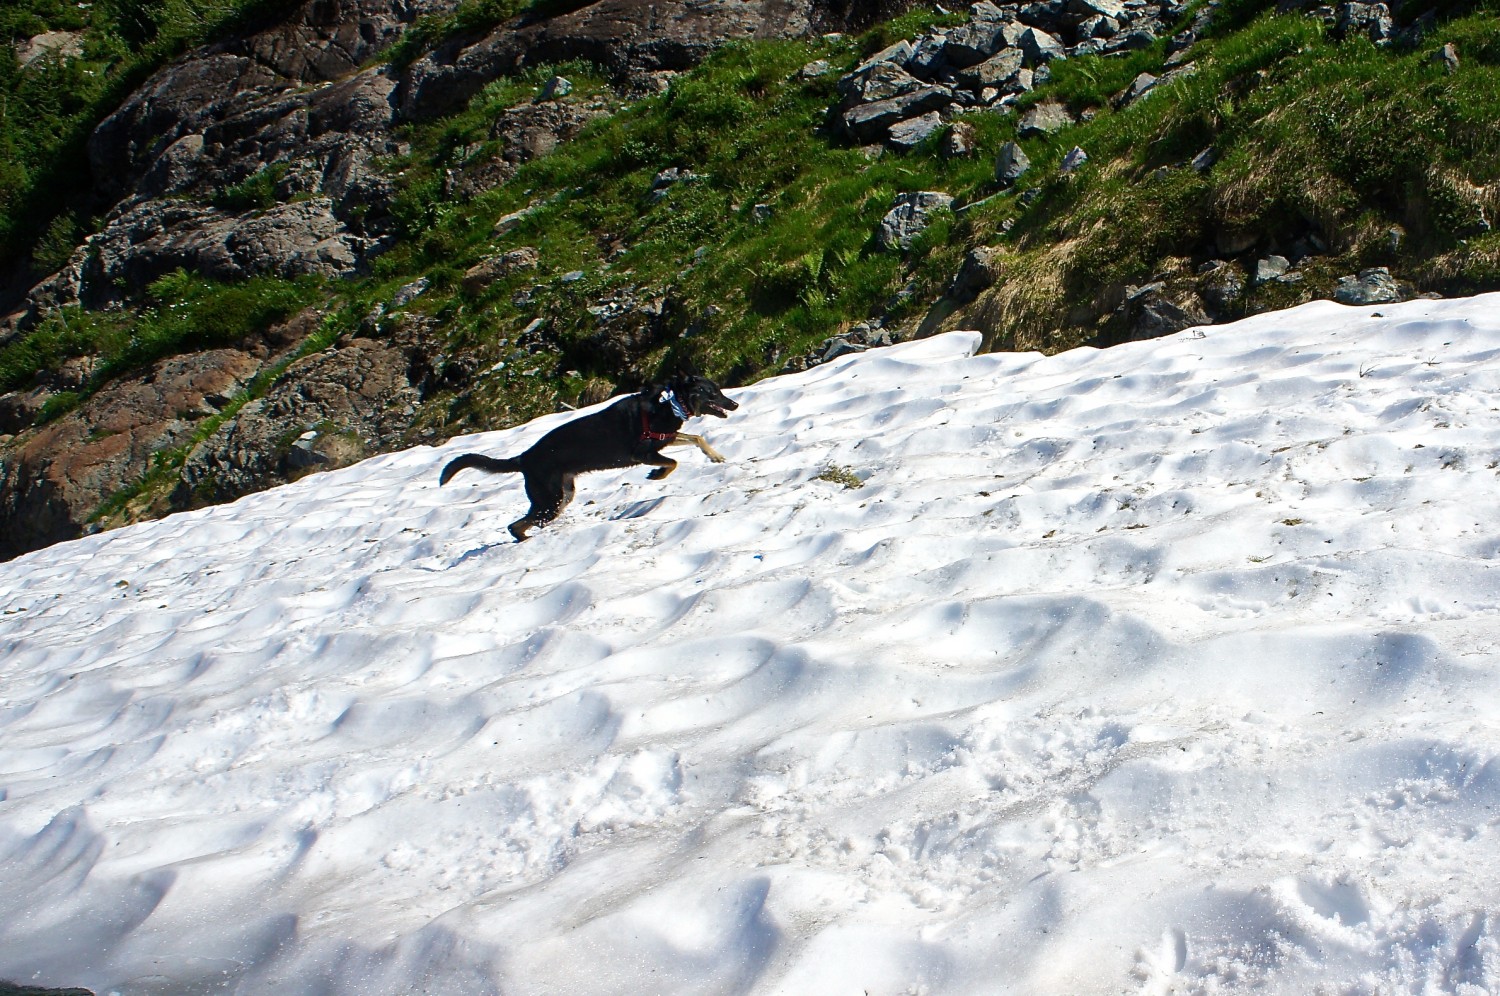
[{"x": 344, "y": 226}]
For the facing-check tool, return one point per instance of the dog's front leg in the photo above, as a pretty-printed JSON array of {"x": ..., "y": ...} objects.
[{"x": 688, "y": 439}]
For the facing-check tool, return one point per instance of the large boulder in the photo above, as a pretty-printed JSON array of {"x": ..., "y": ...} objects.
[{"x": 156, "y": 237}]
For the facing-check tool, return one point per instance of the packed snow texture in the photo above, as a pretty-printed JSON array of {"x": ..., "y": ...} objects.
[{"x": 1171, "y": 668}]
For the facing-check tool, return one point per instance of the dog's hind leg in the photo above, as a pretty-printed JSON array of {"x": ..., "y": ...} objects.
[
  {"x": 549, "y": 496},
  {"x": 664, "y": 466}
]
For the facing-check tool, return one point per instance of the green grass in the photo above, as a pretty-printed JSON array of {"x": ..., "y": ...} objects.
[{"x": 185, "y": 313}]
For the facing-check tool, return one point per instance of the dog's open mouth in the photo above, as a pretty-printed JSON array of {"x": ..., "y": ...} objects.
[{"x": 722, "y": 411}]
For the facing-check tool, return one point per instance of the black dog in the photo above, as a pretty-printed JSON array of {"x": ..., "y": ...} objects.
[{"x": 633, "y": 430}]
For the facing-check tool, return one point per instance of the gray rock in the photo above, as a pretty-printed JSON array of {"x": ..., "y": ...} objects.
[
  {"x": 929, "y": 60},
  {"x": 870, "y": 122},
  {"x": 1138, "y": 88},
  {"x": 1157, "y": 310},
  {"x": 154, "y": 238},
  {"x": 410, "y": 292},
  {"x": 510, "y": 222},
  {"x": 1075, "y": 158},
  {"x": 1010, "y": 164},
  {"x": 556, "y": 88},
  {"x": 908, "y": 134},
  {"x": 1097, "y": 27},
  {"x": 987, "y": 11},
  {"x": 1135, "y": 38},
  {"x": 979, "y": 271},
  {"x": 1043, "y": 119},
  {"x": 814, "y": 69},
  {"x": 974, "y": 42},
  {"x": 61, "y": 45},
  {"x": 959, "y": 141},
  {"x": 1373, "y": 20},
  {"x": 1038, "y": 46},
  {"x": 1096, "y": 8},
  {"x": 1447, "y": 57},
  {"x": 1221, "y": 285},
  {"x": 1372, "y": 286},
  {"x": 880, "y": 81},
  {"x": 1045, "y": 14},
  {"x": 362, "y": 391},
  {"x": 998, "y": 71},
  {"x": 909, "y": 216},
  {"x": 899, "y": 53},
  {"x": 1271, "y": 268},
  {"x": 479, "y": 277},
  {"x": 838, "y": 346}
]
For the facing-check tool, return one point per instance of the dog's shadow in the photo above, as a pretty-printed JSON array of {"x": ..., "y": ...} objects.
[
  {"x": 478, "y": 551},
  {"x": 640, "y": 509}
]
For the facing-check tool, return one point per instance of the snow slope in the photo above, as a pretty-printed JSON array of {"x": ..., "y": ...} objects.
[{"x": 1168, "y": 668}]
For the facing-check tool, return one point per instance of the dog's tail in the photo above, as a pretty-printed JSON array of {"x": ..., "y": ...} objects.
[{"x": 510, "y": 465}]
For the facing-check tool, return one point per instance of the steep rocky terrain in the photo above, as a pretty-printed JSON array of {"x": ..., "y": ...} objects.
[
  {"x": 299, "y": 109},
  {"x": 382, "y": 171}
]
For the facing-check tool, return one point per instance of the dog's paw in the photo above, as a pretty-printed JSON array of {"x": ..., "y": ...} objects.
[
  {"x": 659, "y": 473},
  {"x": 713, "y": 454}
]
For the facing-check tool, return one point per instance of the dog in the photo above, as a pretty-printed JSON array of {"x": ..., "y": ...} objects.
[{"x": 632, "y": 431}]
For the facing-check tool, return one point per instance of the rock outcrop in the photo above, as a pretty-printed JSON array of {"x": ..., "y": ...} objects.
[{"x": 55, "y": 480}]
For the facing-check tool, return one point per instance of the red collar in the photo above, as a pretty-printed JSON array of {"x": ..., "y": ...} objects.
[{"x": 648, "y": 435}]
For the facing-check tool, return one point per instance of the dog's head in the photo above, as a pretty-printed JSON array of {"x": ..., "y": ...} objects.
[{"x": 701, "y": 396}]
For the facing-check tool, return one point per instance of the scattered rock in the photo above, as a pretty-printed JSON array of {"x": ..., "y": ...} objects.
[
  {"x": 1372, "y": 286},
  {"x": 1011, "y": 164},
  {"x": 410, "y": 292},
  {"x": 479, "y": 277},
  {"x": 1001, "y": 72},
  {"x": 1139, "y": 87},
  {"x": 1038, "y": 47},
  {"x": 61, "y": 45},
  {"x": 959, "y": 141},
  {"x": 979, "y": 271},
  {"x": 871, "y": 122},
  {"x": 1043, "y": 119},
  {"x": 1447, "y": 57},
  {"x": 909, "y": 216},
  {"x": 907, "y": 135},
  {"x": 1156, "y": 310},
  {"x": 1221, "y": 285},
  {"x": 1075, "y": 158},
  {"x": 1271, "y": 268},
  {"x": 556, "y": 88}
]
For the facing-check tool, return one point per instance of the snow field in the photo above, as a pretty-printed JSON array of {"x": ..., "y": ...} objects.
[{"x": 1165, "y": 669}]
